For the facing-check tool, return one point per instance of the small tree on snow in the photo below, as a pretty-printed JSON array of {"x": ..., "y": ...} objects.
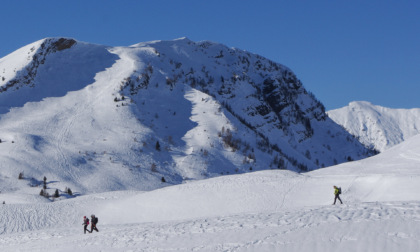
[
  {"x": 56, "y": 194},
  {"x": 153, "y": 167},
  {"x": 157, "y": 146}
]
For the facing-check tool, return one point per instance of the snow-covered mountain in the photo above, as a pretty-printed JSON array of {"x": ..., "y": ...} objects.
[
  {"x": 98, "y": 118},
  {"x": 375, "y": 126}
]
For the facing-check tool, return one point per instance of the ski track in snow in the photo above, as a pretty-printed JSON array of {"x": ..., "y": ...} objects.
[{"x": 411, "y": 155}]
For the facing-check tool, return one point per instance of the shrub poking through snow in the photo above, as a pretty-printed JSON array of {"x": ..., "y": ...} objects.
[{"x": 153, "y": 167}]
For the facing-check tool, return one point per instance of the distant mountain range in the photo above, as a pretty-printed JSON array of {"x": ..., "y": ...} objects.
[
  {"x": 101, "y": 118},
  {"x": 378, "y": 127}
]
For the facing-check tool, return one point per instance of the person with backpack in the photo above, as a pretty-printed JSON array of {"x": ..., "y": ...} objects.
[
  {"x": 337, "y": 192},
  {"x": 94, "y": 221},
  {"x": 86, "y": 224}
]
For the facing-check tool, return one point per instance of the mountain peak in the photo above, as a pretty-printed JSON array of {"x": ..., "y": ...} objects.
[
  {"x": 60, "y": 44},
  {"x": 377, "y": 126}
]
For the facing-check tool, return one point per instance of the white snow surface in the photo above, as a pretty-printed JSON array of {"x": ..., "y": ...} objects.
[
  {"x": 376, "y": 126},
  {"x": 273, "y": 210}
]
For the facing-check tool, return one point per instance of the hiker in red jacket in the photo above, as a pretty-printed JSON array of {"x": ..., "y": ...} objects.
[{"x": 86, "y": 224}]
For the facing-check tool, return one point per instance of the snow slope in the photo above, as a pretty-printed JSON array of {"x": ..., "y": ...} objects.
[
  {"x": 262, "y": 211},
  {"x": 375, "y": 126},
  {"x": 91, "y": 117}
]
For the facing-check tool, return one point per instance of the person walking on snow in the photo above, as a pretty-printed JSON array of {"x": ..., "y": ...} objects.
[
  {"x": 86, "y": 224},
  {"x": 94, "y": 221},
  {"x": 337, "y": 192}
]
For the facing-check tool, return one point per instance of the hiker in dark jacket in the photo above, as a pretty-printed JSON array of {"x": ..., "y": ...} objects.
[
  {"x": 337, "y": 195},
  {"x": 94, "y": 221},
  {"x": 86, "y": 224}
]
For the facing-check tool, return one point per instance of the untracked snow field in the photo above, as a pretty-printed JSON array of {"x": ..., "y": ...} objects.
[{"x": 273, "y": 210}]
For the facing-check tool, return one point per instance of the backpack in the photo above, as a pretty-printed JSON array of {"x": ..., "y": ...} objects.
[
  {"x": 96, "y": 220},
  {"x": 339, "y": 190}
]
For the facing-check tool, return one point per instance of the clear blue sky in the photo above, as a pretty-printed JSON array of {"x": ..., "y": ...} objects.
[{"x": 342, "y": 51}]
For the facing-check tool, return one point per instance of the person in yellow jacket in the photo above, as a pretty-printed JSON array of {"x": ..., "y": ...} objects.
[{"x": 337, "y": 193}]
